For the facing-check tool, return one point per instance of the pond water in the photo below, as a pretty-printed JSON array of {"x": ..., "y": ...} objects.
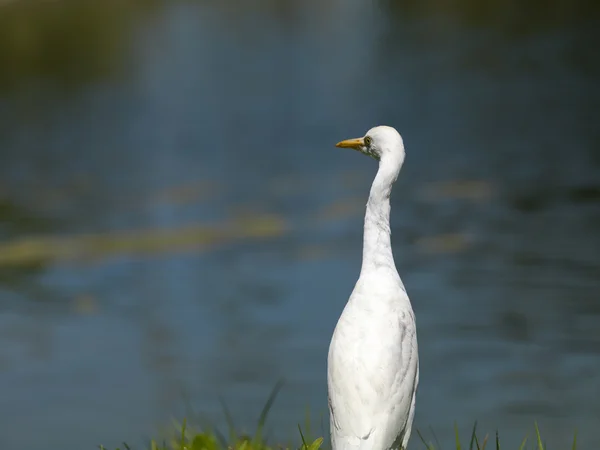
[{"x": 176, "y": 224}]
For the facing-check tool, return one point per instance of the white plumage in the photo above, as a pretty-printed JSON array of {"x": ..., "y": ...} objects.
[{"x": 373, "y": 364}]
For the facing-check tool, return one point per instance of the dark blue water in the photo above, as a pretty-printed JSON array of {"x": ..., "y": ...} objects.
[{"x": 212, "y": 114}]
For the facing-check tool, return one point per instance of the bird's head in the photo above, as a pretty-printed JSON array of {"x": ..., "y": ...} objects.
[{"x": 382, "y": 143}]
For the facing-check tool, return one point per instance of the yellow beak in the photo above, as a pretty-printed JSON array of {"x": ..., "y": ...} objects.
[{"x": 356, "y": 143}]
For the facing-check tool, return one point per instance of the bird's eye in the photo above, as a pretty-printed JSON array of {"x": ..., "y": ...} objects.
[{"x": 368, "y": 141}]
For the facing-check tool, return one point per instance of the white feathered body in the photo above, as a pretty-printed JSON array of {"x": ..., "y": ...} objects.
[{"x": 373, "y": 366}]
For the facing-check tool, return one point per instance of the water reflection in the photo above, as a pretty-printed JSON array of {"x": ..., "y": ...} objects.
[{"x": 176, "y": 223}]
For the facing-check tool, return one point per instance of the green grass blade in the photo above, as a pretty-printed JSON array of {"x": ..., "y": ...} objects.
[
  {"x": 316, "y": 445},
  {"x": 497, "y": 441},
  {"x": 523, "y": 443},
  {"x": 574, "y": 446},
  {"x": 304, "y": 445},
  {"x": 435, "y": 438},
  {"x": 473, "y": 437},
  {"x": 183, "y": 425},
  {"x": 220, "y": 437},
  {"x": 272, "y": 396},
  {"x": 265, "y": 411},
  {"x": 539, "y": 438},
  {"x": 427, "y": 446},
  {"x": 458, "y": 447},
  {"x": 230, "y": 423}
]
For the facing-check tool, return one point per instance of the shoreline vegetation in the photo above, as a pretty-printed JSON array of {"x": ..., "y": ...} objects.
[{"x": 184, "y": 437}]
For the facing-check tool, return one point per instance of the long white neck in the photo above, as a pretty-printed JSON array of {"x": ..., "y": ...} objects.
[{"x": 377, "y": 246}]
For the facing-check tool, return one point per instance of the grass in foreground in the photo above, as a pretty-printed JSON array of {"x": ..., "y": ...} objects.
[
  {"x": 213, "y": 440},
  {"x": 209, "y": 438},
  {"x": 476, "y": 443}
]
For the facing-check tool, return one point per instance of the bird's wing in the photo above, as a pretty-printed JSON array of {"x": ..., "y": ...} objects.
[{"x": 372, "y": 377}]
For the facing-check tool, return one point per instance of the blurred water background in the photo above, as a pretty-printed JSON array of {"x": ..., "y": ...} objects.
[{"x": 176, "y": 223}]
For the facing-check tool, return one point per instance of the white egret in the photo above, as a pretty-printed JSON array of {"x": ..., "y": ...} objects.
[{"x": 373, "y": 364}]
